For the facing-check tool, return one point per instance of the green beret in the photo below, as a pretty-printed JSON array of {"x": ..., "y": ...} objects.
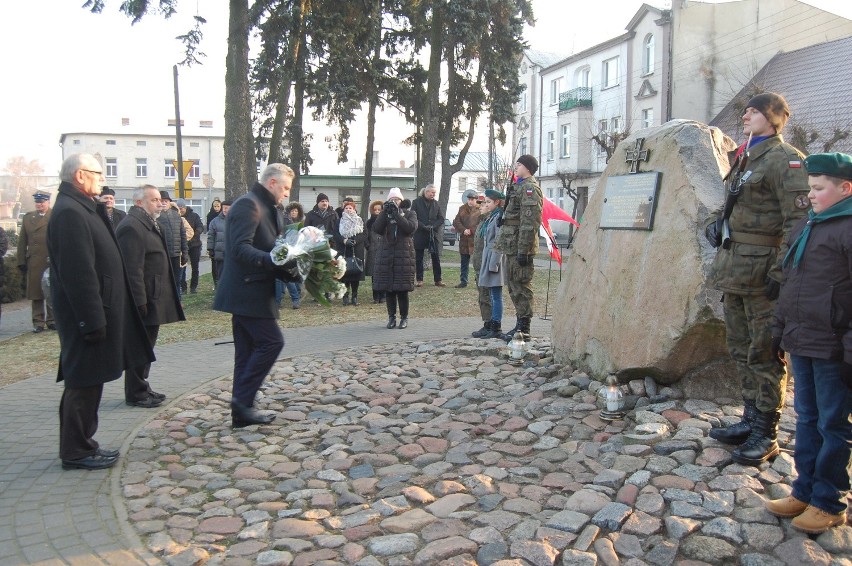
[
  {"x": 832, "y": 164},
  {"x": 494, "y": 195}
]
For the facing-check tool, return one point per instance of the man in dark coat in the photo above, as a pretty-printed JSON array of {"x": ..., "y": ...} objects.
[
  {"x": 246, "y": 289},
  {"x": 115, "y": 215},
  {"x": 429, "y": 235},
  {"x": 32, "y": 259},
  {"x": 100, "y": 331},
  {"x": 172, "y": 226},
  {"x": 193, "y": 245},
  {"x": 323, "y": 216},
  {"x": 152, "y": 281}
]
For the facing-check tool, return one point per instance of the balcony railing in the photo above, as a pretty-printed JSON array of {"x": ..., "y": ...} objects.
[{"x": 576, "y": 97}]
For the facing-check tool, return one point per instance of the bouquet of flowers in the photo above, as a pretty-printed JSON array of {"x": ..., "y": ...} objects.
[{"x": 318, "y": 265}]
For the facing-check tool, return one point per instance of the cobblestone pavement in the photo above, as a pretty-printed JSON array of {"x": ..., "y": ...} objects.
[
  {"x": 50, "y": 517},
  {"x": 442, "y": 452}
]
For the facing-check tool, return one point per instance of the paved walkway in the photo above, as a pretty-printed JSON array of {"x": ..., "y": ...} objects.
[{"x": 49, "y": 516}]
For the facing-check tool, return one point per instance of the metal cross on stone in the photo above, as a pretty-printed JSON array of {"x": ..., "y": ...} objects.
[{"x": 637, "y": 154}]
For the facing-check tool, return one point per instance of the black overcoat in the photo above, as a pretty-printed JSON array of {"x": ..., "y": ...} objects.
[
  {"x": 394, "y": 266},
  {"x": 90, "y": 291},
  {"x": 430, "y": 224},
  {"x": 247, "y": 283},
  {"x": 149, "y": 270}
]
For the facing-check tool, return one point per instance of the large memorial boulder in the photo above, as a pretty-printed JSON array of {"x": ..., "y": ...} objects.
[{"x": 636, "y": 302}]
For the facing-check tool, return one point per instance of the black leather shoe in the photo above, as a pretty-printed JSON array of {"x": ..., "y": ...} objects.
[
  {"x": 107, "y": 453},
  {"x": 93, "y": 462},
  {"x": 403, "y": 323},
  {"x": 146, "y": 403},
  {"x": 391, "y": 322},
  {"x": 155, "y": 395},
  {"x": 246, "y": 416}
]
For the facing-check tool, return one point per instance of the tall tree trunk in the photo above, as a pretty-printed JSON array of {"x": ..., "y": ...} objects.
[
  {"x": 431, "y": 115},
  {"x": 373, "y": 102},
  {"x": 297, "y": 147},
  {"x": 282, "y": 106},
  {"x": 240, "y": 168}
]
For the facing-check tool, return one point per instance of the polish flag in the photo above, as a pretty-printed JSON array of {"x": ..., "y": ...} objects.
[{"x": 550, "y": 212}]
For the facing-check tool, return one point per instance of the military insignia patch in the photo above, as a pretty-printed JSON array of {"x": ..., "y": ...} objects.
[
  {"x": 802, "y": 202},
  {"x": 795, "y": 164},
  {"x": 529, "y": 192}
]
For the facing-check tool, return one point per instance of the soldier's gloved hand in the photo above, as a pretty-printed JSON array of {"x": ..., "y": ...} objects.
[
  {"x": 711, "y": 232},
  {"x": 777, "y": 352},
  {"x": 95, "y": 336},
  {"x": 143, "y": 310},
  {"x": 522, "y": 259},
  {"x": 773, "y": 287}
]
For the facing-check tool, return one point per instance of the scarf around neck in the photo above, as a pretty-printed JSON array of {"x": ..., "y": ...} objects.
[
  {"x": 797, "y": 249},
  {"x": 350, "y": 225}
]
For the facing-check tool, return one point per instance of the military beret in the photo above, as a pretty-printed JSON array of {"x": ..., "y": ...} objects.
[
  {"x": 41, "y": 197},
  {"x": 494, "y": 195},
  {"x": 832, "y": 164}
]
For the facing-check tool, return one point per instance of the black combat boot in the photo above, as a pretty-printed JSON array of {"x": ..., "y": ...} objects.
[
  {"x": 524, "y": 328},
  {"x": 495, "y": 331},
  {"x": 761, "y": 444},
  {"x": 482, "y": 332},
  {"x": 509, "y": 333},
  {"x": 738, "y": 432}
]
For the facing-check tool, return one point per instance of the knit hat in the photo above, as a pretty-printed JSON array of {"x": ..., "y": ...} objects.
[
  {"x": 832, "y": 164},
  {"x": 181, "y": 203},
  {"x": 395, "y": 193},
  {"x": 773, "y": 107},
  {"x": 321, "y": 197},
  {"x": 494, "y": 195},
  {"x": 530, "y": 162}
]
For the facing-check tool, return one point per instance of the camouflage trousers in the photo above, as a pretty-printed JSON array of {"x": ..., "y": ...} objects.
[
  {"x": 519, "y": 282},
  {"x": 748, "y": 323},
  {"x": 484, "y": 303}
]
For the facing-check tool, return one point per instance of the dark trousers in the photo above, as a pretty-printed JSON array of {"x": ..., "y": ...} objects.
[
  {"x": 397, "y": 296},
  {"x": 176, "y": 269},
  {"x": 136, "y": 386},
  {"x": 257, "y": 343},
  {"x": 436, "y": 265},
  {"x": 465, "y": 268},
  {"x": 194, "y": 258},
  {"x": 218, "y": 265},
  {"x": 78, "y": 421}
]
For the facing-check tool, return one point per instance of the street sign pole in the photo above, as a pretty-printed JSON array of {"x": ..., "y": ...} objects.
[{"x": 181, "y": 187}]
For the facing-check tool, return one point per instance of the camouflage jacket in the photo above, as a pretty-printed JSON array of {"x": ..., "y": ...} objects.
[
  {"x": 773, "y": 199},
  {"x": 521, "y": 219}
]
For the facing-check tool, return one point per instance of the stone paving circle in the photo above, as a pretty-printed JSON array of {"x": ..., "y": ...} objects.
[{"x": 443, "y": 453}]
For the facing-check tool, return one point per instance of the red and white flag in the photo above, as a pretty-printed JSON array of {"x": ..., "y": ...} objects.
[{"x": 550, "y": 212}]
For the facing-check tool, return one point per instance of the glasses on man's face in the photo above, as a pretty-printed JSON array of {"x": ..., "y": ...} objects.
[{"x": 98, "y": 173}]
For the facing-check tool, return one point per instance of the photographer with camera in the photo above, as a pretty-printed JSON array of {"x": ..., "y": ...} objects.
[{"x": 394, "y": 271}]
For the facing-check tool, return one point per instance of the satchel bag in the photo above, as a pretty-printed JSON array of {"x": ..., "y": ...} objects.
[{"x": 354, "y": 266}]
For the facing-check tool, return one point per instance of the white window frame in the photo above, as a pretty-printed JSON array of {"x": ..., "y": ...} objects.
[
  {"x": 609, "y": 73},
  {"x": 141, "y": 143},
  {"x": 522, "y": 104},
  {"x": 647, "y": 117},
  {"x": 555, "y": 90},
  {"x": 551, "y": 145},
  {"x": 141, "y": 166},
  {"x": 169, "y": 171},
  {"x": 565, "y": 149},
  {"x": 522, "y": 145},
  {"x": 648, "y": 54},
  {"x": 615, "y": 124},
  {"x": 195, "y": 171},
  {"x": 583, "y": 76},
  {"x": 111, "y": 170}
]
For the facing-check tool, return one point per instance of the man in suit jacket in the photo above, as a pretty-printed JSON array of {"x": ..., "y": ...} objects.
[
  {"x": 100, "y": 331},
  {"x": 152, "y": 281},
  {"x": 246, "y": 289},
  {"x": 32, "y": 259}
]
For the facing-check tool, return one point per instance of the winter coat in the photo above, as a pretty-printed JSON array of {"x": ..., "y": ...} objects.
[
  {"x": 91, "y": 292},
  {"x": 430, "y": 225},
  {"x": 492, "y": 272},
  {"x": 117, "y": 216},
  {"x": 197, "y": 226},
  {"x": 352, "y": 247},
  {"x": 466, "y": 219},
  {"x": 172, "y": 226},
  {"x": 814, "y": 311},
  {"x": 394, "y": 266},
  {"x": 149, "y": 270},
  {"x": 478, "y": 248},
  {"x": 32, "y": 251},
  {"x": 372, "y": 245},
  {"x": 326, "y": 220},
  {"x": 211, "y": 214},
  {"x": 216, "y": 237},
  {"x": 247, "y": 283}
]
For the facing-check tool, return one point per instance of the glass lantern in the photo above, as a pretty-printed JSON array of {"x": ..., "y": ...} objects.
[
  {"x": 611, "y": 400},
  {"x": 518, "y": 349}
]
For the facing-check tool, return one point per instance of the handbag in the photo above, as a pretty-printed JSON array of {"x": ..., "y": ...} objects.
[{"x": 354, "y": 266}]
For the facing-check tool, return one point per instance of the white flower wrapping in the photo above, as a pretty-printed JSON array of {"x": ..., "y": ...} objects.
[{"x": 318, "y": 264}]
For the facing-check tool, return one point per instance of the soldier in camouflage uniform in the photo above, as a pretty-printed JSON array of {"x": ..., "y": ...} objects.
[
  {"x": 748, "y": 271},
  {"x": 518, "y": 240}
]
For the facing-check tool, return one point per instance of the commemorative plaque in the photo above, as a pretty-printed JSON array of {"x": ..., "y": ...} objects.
[{"x": 630, "y": 201}]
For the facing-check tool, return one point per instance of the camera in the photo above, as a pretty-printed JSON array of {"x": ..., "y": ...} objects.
[{"x": 391, "y": 208}]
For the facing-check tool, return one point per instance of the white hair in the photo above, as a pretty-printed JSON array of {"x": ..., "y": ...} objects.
[
  {"x": 274, "y": 170},
  {"x": 72, "y": 164}
]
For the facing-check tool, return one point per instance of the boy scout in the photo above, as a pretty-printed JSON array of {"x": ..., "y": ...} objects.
[
  {"x": 518, "y": 240},
  {"x": 747, "y": 269}
]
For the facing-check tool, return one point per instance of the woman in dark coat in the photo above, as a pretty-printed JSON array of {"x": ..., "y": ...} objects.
[
  {"x": 372, "y": 247},
  {"x": 215, "y": 209},
  {"x": 350, "y": 240},
  {"x": 393, "y": 271}
]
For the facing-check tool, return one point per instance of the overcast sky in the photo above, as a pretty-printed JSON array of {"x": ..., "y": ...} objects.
[{"x": 66, "y": 70}]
